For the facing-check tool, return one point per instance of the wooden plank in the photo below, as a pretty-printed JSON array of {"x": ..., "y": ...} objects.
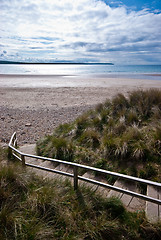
[
  {"x": 132, "y": 203},
  {"x": 126, "y": 199},
  {"x": 113, "y": 193},
  {"x": 136, "y": 205},
  {"x": 102, "y": 190},
  {"x": 152, "y": 212},
  {"x": 89, "y": 175}
]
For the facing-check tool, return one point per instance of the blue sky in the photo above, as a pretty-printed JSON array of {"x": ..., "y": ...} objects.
[
  {"x": 118, "y": 31},
  {"x": 136, "y": 4}
]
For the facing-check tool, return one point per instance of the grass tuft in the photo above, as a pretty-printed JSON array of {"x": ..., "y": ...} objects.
[
  {"x": 37, "y": 209},
  {"x": 124, "y": 132}
]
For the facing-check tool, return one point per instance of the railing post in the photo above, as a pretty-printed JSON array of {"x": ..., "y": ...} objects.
[
  {"x": 75, "y": 170},
  {"x": 23, "y": 160}
]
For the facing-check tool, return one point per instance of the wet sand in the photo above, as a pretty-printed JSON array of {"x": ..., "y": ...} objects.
[{"x": 34, "y": 105}]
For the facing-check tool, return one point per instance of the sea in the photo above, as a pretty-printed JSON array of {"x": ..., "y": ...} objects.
[{"x": 96, "y": 70}]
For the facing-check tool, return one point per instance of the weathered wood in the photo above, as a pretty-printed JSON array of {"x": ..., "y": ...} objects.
[
  {"x": 113, "y": 193},
  {"x": 126, "y": 199},
  {"x": 152, "y": 209}
]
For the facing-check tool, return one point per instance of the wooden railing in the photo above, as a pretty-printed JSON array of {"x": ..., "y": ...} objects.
[{"x": 22, "y": 157}]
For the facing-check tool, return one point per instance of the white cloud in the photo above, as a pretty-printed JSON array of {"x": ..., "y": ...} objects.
[{"x": 67, "y": 29}]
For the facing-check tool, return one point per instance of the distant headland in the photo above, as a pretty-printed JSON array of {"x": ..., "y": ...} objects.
[{"x": 16, "y": 62}]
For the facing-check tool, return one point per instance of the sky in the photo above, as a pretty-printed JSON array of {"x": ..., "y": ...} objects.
[{"x": 117, "y": 31}]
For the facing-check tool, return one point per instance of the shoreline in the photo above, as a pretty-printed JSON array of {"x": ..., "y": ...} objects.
[
  {"x": 108, "y": 75},
  {"x": 74, "y": 81},
  {"x": 35, "y": 111}
]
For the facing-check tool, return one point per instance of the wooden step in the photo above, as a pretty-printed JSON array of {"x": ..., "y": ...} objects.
[
  {"x": 153, "y": 211},
  {"x": 131, "y": 203},
  {"x": 101, "y": 190}
]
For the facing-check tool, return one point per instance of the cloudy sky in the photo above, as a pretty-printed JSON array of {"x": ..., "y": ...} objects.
[{"x": 118, "y": 31}]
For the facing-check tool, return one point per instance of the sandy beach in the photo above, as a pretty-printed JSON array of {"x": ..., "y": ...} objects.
[{"x": 34, "y": 105}]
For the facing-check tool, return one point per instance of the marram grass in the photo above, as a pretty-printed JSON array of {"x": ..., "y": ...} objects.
[
  {"x": 123, "y": 133},
  {"x": 36, "y": 209}
]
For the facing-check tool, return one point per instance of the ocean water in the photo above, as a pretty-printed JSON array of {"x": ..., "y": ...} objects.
[{"x": 101, "y": 70}]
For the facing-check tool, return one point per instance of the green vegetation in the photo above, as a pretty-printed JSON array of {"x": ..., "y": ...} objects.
[
  {"x": 123, "y": 135},
  {"x": 34, "y": 209}
]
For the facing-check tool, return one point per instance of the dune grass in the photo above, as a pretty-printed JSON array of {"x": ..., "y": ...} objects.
[
  {"x": 123, "y": 135},
  {"x": 34, "y": 209}
]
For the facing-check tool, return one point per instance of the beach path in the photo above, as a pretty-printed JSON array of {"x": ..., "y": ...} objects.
[{"x": 131, "y": 203}]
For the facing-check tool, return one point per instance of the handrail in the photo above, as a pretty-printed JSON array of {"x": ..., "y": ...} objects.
[{"x": 75, "y": 173}]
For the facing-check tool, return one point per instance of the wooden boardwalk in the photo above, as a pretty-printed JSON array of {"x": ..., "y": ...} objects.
[
  {"x": 130, "y": 202},
  {"x": 153, "y": 211}
]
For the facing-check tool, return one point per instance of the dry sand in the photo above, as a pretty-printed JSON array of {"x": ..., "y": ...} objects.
[{"x": 34, "y": 105}]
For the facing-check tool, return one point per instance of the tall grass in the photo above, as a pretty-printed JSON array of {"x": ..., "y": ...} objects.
[
  {"x": 124, "y": 132},
  {"x": 32, "y": 208}
]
